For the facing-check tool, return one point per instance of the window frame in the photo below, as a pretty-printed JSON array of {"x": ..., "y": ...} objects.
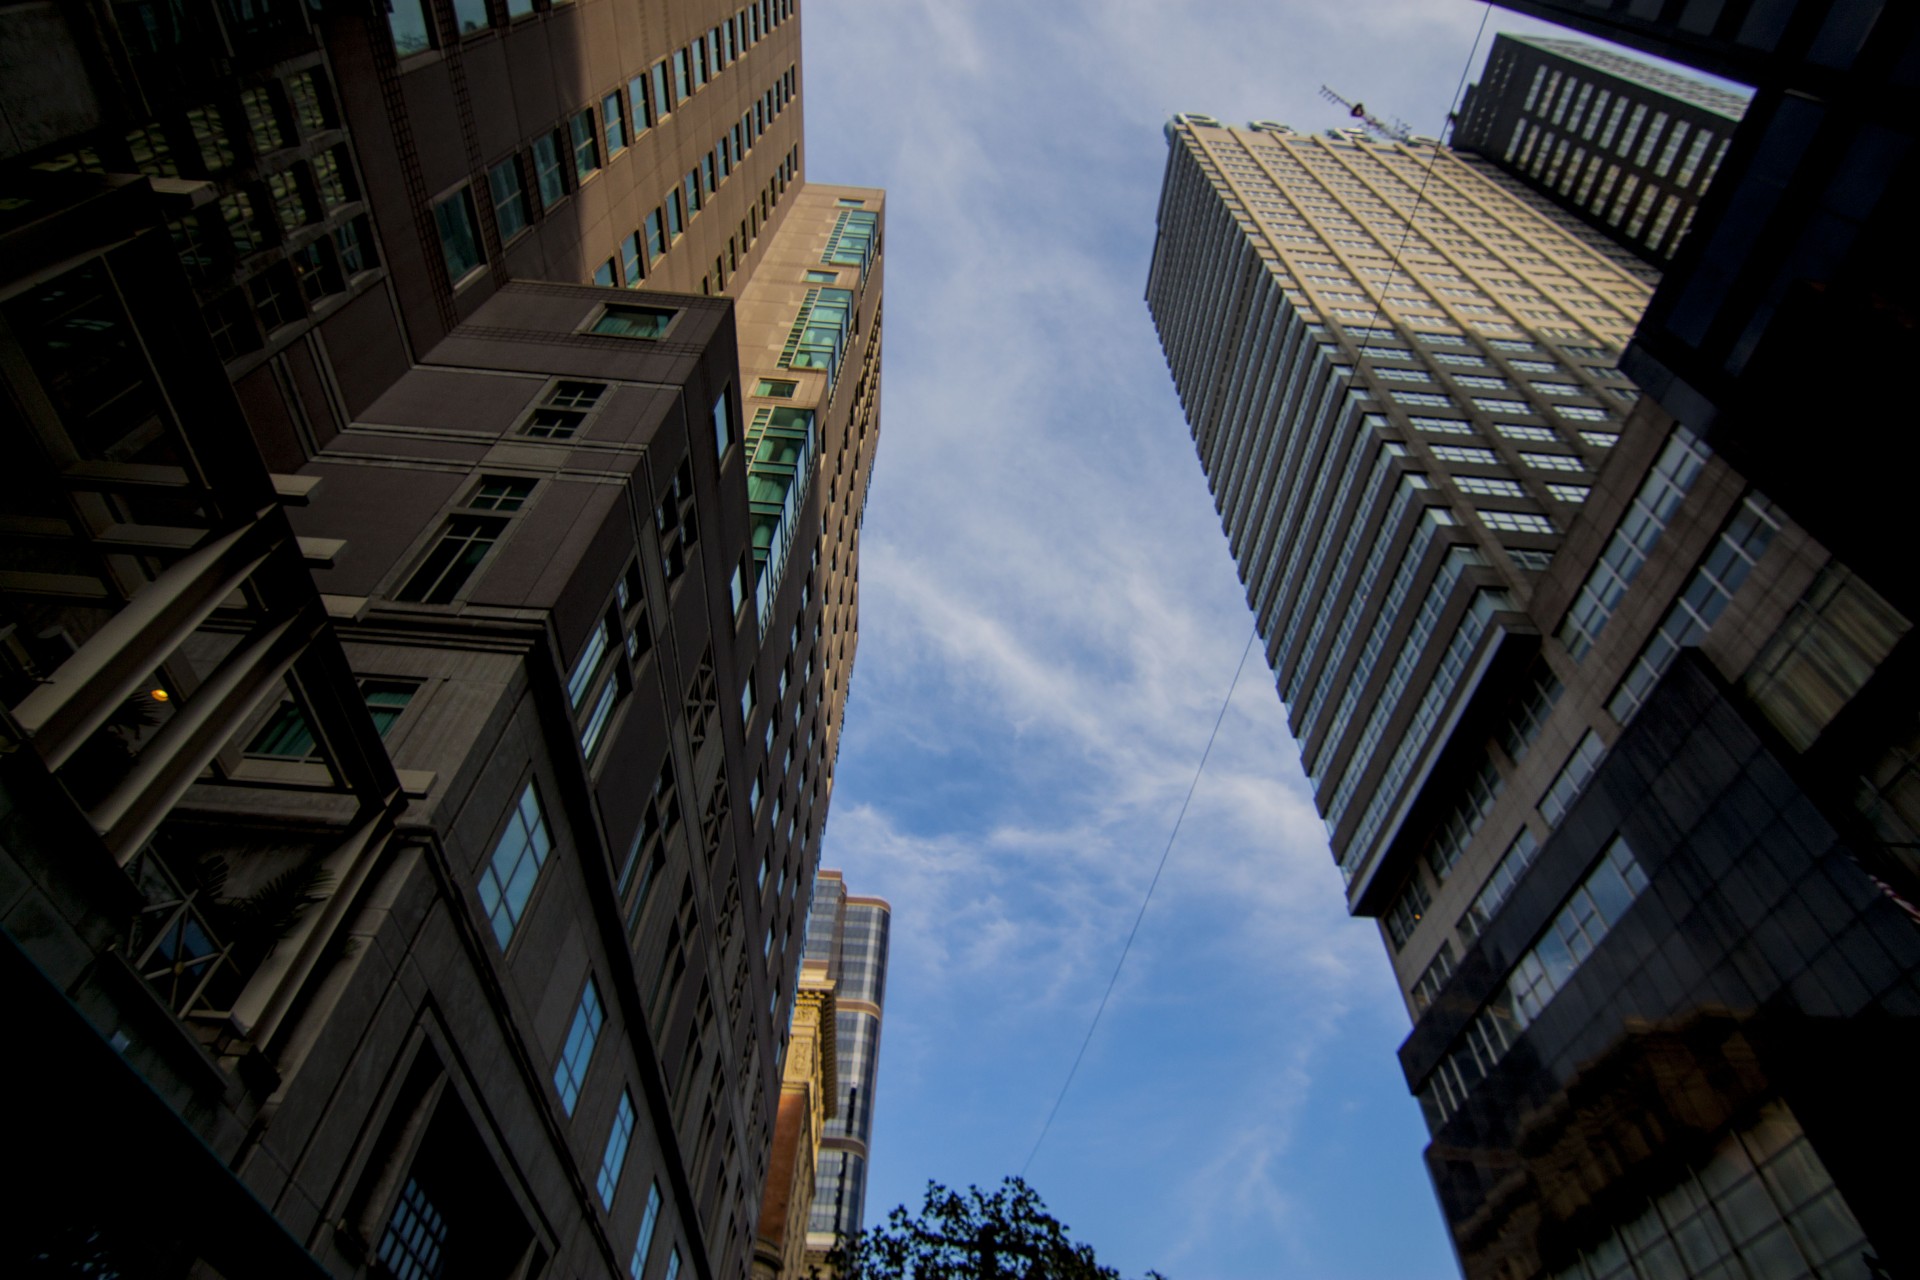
[
  {"x": 504, "y": 884},
  {"x": 524, "y": 214}
]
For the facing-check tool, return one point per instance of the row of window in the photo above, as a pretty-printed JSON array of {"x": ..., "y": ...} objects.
[
  {"x": 484, "y": 515},
  {"x": 416, "y": 28},
  {"x": 1587, "y": 916},
  {"x": 639, "y": 250},
  {"x": 1658, "y": 497},
  {"x": 214, "y": 139},
  {"x": 566, "y": 156},
  {"x": 505, "y": 887}
]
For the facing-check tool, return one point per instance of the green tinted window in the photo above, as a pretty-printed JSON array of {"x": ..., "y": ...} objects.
[{"x": 633, "y": 322}]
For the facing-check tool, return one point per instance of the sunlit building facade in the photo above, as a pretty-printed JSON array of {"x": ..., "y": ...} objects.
[
  {"x": 850, "y": 936},
  {"x": 1562, "y": 681},
  {"x": 437, "y": 438}
]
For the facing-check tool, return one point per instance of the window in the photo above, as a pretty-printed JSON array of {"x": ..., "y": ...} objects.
[
  {"x": 681, "y": 87},
  {"x": 1403, "y": 917},
  {"x": 330, "y": 172},
  {"x": 586, "y": 149},
  {"x": 507, "y": 883},
  {"x": 470, "y": 16},
  {"x": 509, "y": 198},
  {"x": 673, "y": 1259},
  {"x": 659, "y": 100},
  {"x": 412, "y": 29},
  {"x": 287, "y": 736},
  {"x": 823, "y": 277},
  {"x": 461, "y": 548},
  {"x": 459, "y": 237},
  {"x": 690, "y": 185},
  {"x": 637, "y": 1267},
  {"x": 548, "y": 173},
  {"x": 723, "y": 423},
  {"x": 615, "y": 117},
  {"x": 675, "y": 522},
  {"x": 312, "y": 107},
  {"x": 577, "y": 1053},
  {"x": 1462, "y": 453},
  {"x": 605, "y": 274},
  {"x": 1516, "y": 521},
  {"x": 614, "y": 1158},
  {"x": 313, "y": 267},
  {"x": 676, "y": 218},
  {"x": 643, "y": 116},
  {"x": 776, "y": 388},
  {"x": 1574, "y": 493},
  {"x": 354, "y": 244},
  {"x": 621, "y": 320},
  {"x": 630, "y": 260},
  {"x": 415, "y": 1241},
  {"x": 1530, "y": 713},
  {"x": 1434, "y": 976},
  {"x": 500, "y": 493},
  {"x": 656, "y": 237},
  {"x": 563, "y": 411},
  {"x": 243, "y": 231},
  {"x": 1553, "y": 461},
  {"x": 1572, "y": 778},
  {"x": 1489, "y": 487}
]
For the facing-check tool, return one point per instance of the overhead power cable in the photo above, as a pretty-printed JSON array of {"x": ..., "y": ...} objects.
[
  {"x": 1142, "y": 913},
  {"x": 1419, "y": 200}
]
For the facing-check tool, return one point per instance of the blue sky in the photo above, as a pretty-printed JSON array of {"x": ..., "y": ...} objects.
[{"x": 1049, "y": 620}]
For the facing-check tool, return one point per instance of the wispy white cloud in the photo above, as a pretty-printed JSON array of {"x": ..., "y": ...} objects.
[{"x": 1049, "y": 622}]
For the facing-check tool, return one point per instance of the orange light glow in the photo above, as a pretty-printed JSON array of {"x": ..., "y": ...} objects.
[{"x": 158, "y": 695}]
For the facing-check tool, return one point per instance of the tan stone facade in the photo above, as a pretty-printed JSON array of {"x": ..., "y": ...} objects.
[{"x": 807, "y": 1097}]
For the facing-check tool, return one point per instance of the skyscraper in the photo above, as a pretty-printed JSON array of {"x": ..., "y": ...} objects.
[
  {"x": 1564, "y": 683},
  {"x": 436, "y": 439},
  {"x": 1626, "y": 145},
  {"x": 850, "y": 936},
  {"x": 1806, "y": 259}
]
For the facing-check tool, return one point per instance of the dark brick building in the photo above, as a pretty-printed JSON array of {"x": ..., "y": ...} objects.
[{"x": 428, "y": 607}]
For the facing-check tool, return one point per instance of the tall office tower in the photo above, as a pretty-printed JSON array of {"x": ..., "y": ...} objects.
[
  {"x": 1381, "y": 428},
  {"x": 1804, "y": 262},
  {"x": 1629, "y": 147},
  {"x": 1563, "y": 682},
  {"x": 423, "y": 662},
  {"x": 849, "y": 936}
]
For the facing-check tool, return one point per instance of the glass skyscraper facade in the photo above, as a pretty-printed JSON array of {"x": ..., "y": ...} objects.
[
  {"x": 850, "y": 936},
  {"x": 1561, "y": 680}
]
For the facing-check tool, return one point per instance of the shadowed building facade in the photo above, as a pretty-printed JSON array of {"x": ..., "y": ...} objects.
[
  {"x": 1628, "y": 147},
  {"x": 1573, "y": 697},
  {"x": 423, "y": 661}
]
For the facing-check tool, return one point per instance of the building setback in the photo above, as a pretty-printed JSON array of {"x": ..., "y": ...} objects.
[
  {"x": 1568, "y": 689},
  {"x": 1628, "y": 147},
  {"x": 436, "y": 443},
  {"x": 850, "y": 936}
]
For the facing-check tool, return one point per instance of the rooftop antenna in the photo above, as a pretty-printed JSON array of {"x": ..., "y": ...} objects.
[{"x": 1398, "y": 131}]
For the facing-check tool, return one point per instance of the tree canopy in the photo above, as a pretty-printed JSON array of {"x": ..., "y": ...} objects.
[{"x": 1007, "y": 1235}]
